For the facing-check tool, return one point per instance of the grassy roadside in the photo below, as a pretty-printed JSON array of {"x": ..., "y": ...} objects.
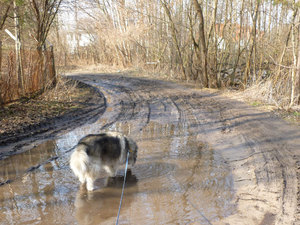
[{"x": 291, "y": 115}]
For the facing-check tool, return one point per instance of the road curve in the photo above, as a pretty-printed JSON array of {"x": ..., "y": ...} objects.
[
  {"x": 203, "y": 159},
  {"x": 262, "y": 151}
]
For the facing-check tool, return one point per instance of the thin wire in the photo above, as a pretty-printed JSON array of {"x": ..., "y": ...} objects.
[
  {"x": 200, "y": 213},
  {"x": 123, "y": 188}
]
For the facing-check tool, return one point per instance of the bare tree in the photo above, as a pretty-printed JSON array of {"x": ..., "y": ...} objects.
[
  {"x": 4, "y": 12},
  {"x": 202, "y": 47},
  {"x": 43, "y": 13},
  {"x": 239, "y": 51},
  {"x": 19, "y": 71},
  {"x": 174, "y": 37},
  {"x": 295, "y": 89},
  {"x": 253, "y": 43},
  {"x": 230, "y": 43},
  {"x": 297, "y": 75},
  {"x": 286, "y": 43}
]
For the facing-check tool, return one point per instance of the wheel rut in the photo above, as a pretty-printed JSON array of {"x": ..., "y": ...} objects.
[{"x": 202, "y": 159}]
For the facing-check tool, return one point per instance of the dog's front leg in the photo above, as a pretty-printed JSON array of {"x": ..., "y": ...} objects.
[
  {"x": 110, "y": 170},
  {"x": 81, "y": 179},
  {"x": 89, "y": 183}
]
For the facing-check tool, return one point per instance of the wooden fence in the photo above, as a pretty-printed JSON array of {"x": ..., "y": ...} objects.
[{"x": 35, "y": 73}]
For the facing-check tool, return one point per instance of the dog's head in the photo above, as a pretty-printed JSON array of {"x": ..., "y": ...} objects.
[{"x": 133, "y": 148}]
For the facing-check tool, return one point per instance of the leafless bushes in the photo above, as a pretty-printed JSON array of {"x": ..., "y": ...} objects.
[
  {"x": 220, "y": 43},
  {"x": 38, "y": 73},
  {"x": 62, "y": 92},
  {"x": 25, "y": 71}
]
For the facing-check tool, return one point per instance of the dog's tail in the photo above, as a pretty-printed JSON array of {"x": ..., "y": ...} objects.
[{"x": 79, "y": 162}]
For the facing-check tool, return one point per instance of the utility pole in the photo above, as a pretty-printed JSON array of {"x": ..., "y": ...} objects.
[{"x": 18, "y": 49}]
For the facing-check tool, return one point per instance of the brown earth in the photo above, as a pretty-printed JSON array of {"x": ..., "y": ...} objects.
[
  {"x": 72, "y": 104},
  {"x": 204, "y": 159}
]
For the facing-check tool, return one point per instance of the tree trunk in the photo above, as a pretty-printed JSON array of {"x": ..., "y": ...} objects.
[
  {"x": 297, "y": 75},
  {"x": 215, "y": 43},
  {"x": 174, "y": 37},
  {"x": 280, "y": 60},
  {"x": 18, "y": 50},
  {"x": 296, "y": 83},
  {"x": 207, "y": 82},
  {"x": 77, "y": 35},
  {"x": 294, "y": 70},
  {"x": 5, "y": 15},
  {"x": 253, "y": 43},
  {"x": 232, "y": 76}
]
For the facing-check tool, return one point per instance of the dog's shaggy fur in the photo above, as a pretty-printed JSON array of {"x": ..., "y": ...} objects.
[{"x": 105, "y": 151}]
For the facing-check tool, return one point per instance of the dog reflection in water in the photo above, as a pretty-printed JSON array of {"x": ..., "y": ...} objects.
[
  {"x": 105, "y": 151},
  {"x": 102, "y": 204}
]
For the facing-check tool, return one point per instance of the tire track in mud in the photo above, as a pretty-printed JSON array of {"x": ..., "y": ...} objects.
[
  {"x": 269, "y": 168},
  {"x": 139, "y": 94},
  {"x": 137, "y": 103},
  {"x": 195, "y": 111},
  {"x": 266, "y": 170},
  {"x": 264, "y": 175},
  {"x": 132, "y": 104}
]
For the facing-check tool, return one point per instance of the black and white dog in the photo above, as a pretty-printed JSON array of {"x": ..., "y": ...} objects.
[{"x": 105, "y": 151}]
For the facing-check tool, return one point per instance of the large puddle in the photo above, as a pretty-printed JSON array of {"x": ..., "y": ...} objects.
[{"x": 177, "y": 179}]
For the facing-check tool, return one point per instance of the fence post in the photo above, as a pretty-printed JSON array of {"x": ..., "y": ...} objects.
[
  {"x": 53, "y": 65},
  {"x": 1, "y": 100},
  {"x": 0, "y": 59}
]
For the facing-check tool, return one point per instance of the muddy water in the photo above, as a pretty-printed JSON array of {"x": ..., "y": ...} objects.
[{"x": 178, "y": 178}]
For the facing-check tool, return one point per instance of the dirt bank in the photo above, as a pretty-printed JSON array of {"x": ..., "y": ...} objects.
[{"x": 27, "y": 120}]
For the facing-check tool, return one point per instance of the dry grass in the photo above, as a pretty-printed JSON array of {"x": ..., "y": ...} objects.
[
  {"x": 265, "y": 97},
  {"x": 269, "y": 93},
  {"x": 66, "y": 97},
  {"x": 97, "y": 68},
  {"x": 64, "y": 91}
]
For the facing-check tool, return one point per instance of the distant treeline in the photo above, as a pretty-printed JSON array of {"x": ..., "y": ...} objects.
[{"x": 217, "y": 43}]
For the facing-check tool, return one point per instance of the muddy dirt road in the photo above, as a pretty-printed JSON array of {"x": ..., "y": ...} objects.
[{"x": 203, "y": 159}]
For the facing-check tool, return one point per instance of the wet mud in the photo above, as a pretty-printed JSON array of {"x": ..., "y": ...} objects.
[{"x": 202, "y": 159}]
